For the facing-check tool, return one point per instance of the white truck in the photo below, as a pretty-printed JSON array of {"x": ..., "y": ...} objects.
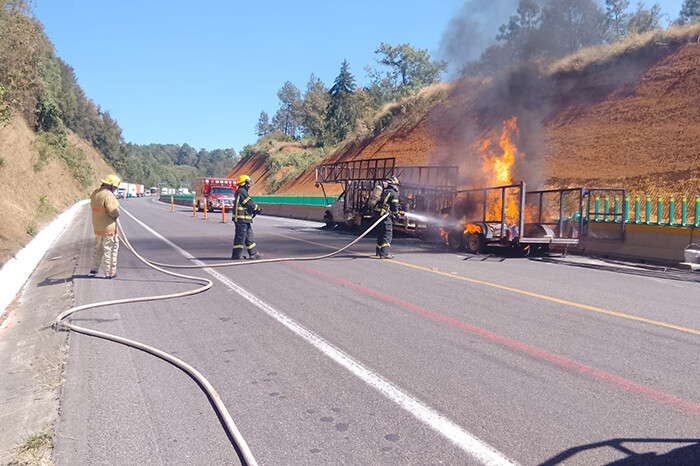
[{"x": 126, "y": 190}]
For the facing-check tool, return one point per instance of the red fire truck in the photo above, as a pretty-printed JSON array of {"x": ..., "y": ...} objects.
[{"x": 216, "y": 193}]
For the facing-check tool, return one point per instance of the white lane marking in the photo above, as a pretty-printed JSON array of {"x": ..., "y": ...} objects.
[{"x": 470, "y": 444}]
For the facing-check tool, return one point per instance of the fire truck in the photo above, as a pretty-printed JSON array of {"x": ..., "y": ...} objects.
[{"x": 215, "y": 193}]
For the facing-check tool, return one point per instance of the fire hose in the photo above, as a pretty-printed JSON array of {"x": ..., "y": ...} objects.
[{"x": 234, "y": 434}]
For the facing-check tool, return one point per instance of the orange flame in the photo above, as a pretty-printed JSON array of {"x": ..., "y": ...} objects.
[
  {"x": 496, "y": 170},
  {"x": 444, "y": 234},
  {"x": 471, "y": 228}
]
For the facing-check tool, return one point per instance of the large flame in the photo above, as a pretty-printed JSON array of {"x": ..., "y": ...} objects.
[{"x": 498, "y": 161}]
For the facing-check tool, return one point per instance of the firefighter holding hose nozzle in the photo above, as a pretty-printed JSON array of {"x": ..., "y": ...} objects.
[
  {"x": 244, "y": 209},
  {"x": 388, "y": 202}
]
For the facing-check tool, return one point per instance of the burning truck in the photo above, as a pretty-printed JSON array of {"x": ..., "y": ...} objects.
[
  {"x": 502, "y": 214},
  {"x": 425, "y": 191},
  {"x": 468, "y": 220}
]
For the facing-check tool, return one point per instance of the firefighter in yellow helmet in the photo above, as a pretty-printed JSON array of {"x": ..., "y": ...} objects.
[
  {"x": 388, "y": 202},
  {"x": 105, "y": 210},
  {"x": 244, "y": 209}
]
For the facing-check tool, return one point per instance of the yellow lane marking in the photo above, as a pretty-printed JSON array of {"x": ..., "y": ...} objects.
[{"x": 516, "y": 290}]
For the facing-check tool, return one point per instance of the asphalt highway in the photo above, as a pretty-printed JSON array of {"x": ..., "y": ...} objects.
[{"x": 430, "y": 358}]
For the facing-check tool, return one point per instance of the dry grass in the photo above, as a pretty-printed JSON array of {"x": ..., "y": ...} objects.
[
  {"x": 629, "y": 45},
  {"x": 51, "y": 375},
  {"x": 35, "y": 451},
  {"x": 29, "y": 197}
]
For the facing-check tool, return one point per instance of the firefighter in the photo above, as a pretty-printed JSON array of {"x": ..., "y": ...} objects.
[
  {"x": 105, "y": 209},
  {"x": 388, "y": 202},
  {"x": 244, "y": 209}
]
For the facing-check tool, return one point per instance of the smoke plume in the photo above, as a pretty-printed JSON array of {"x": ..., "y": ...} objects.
[{"x": 472, "y": 30}]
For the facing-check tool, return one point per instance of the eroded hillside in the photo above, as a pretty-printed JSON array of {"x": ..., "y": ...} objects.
[{"x": 33, "y": 189}]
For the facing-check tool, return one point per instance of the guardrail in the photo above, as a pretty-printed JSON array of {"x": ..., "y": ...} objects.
[
  {"x": 293, "y": 200},
  {"x": 665, "y": 211},
  {"x": 296, "y": 200},
  {"x": 660, "y": 211}
]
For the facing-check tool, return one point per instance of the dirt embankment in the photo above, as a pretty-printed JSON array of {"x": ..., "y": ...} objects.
[
  {"x": 633, "y": 122},
  {"x": 32, "y": 191},
  {"x": 644, "y": 137}
]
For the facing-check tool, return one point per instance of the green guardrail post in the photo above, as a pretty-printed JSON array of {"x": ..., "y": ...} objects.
[
  {"x": 648, "y": 210},
  {"x": 659, "y": 210},
  {"x": 617, "y": 219},
  {"x": 684, "y": 210},
  {"x": 597, "y": 206},
  {"x": 697, "y": 211},
  {"x": 636, "y": 209},
  {"x": 671, "y": 210},
  {"x": 627, "y": 208},
  {"x": 606, "y": 205}
]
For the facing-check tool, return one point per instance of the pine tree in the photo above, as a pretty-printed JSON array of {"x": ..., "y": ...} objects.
[
  {"x": 644, "y": 20},
  {"x": 690, "y": 12},
  {"x": 340, "y": 116},
  {"x": 288, "y": 116},
  {"x": 314, "y": 108},
  {"x": 263, "y": 127},
  {"x": 616, "y": 18}
]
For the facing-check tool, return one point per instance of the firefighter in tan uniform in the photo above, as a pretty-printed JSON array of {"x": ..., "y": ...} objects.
[{"x": 105, "y": 210}]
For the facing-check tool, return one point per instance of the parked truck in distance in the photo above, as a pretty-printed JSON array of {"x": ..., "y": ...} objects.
[
  {"x": 126, "y": 190},
  {"x": 214, "y": 193}
]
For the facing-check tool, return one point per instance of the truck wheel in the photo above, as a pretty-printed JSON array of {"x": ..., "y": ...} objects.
[
  {"x": 328, "y": 219},
  {"x": 455, "y": 240},
  {"x": 474, "y": 243},
  {"x": 210, "y": 208}
]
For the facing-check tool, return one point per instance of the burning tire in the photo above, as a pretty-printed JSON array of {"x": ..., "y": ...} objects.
[
  {"x": 474, "y": 243},
  {"x": 328, "y": 219},
  {"x": 455, "y": 240}
]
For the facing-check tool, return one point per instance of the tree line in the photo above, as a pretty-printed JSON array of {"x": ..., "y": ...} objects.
[
  {"x": 556, "y": 28},
  {"x": 329, "y": 115},
  {"x": 37, "y": 84}
]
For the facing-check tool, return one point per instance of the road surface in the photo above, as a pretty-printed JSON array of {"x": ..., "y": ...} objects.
[{"x": 430, "y": 358}]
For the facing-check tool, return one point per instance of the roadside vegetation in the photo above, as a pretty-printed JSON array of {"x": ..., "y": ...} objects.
[
  {"x": 41, "y": 87},
  {"x": 35, "y": 451}
]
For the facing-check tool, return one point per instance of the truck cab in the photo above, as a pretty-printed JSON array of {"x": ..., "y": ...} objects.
[{"x": 215, "y": 193}]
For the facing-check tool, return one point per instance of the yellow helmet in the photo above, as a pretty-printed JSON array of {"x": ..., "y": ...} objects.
[
  {"x": 243, "y": 179},
  {"x": 112, "y": 180}
]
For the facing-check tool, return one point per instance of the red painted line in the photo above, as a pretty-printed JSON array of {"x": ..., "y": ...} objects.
[{"x": 568, "y": 364}]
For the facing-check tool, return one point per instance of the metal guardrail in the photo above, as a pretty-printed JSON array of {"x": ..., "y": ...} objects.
[
  {"x": 300, "y": 200},
  {"x": 660, "y": 211}
]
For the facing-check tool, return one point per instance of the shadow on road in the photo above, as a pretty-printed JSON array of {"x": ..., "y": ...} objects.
[{"x": 687, "y": 452}]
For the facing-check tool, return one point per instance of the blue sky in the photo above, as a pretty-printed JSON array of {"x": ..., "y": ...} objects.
[{"x": 179, "y": 71}]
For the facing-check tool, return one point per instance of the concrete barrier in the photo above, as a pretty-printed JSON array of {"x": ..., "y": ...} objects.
[
  {"x": 641, "y": 242},
  {"x": 176, "y": 201},
  {"x": 301, "y": 212}
]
